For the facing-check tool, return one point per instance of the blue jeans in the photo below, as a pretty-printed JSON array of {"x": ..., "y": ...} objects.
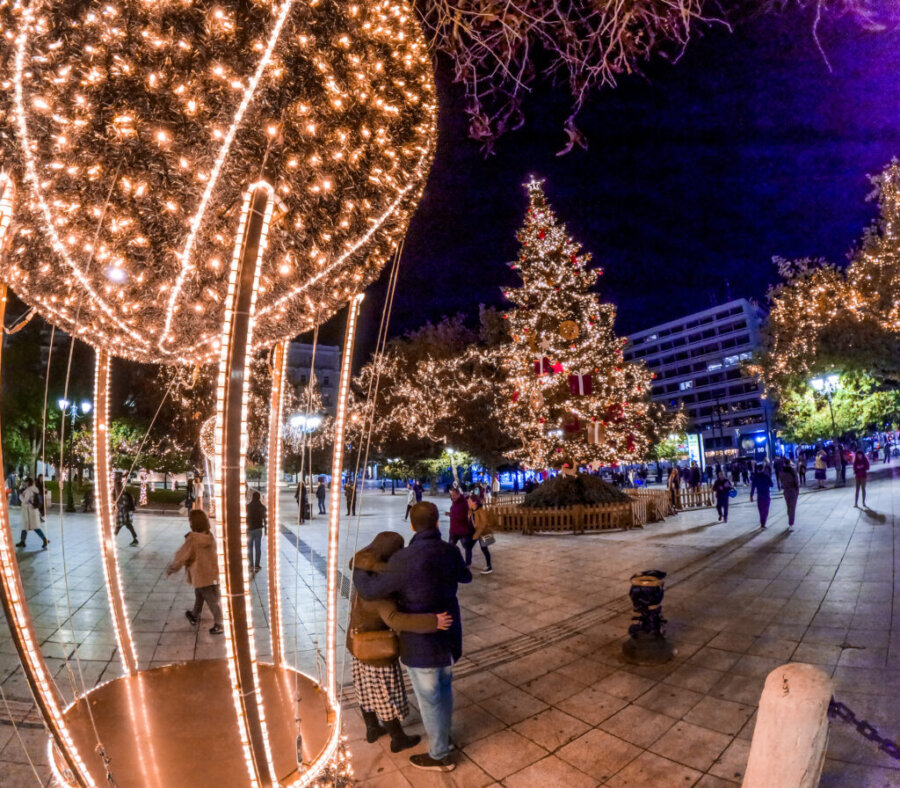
[
  {"x": 254, "y": 543},
  {"x": 434, "y": 691}
]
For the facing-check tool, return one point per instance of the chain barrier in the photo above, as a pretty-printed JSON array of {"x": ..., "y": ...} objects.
[{"x": 865, "y": 729}]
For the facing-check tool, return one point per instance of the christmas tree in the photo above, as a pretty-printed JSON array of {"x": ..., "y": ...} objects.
[{"x": 571, "y": 396}]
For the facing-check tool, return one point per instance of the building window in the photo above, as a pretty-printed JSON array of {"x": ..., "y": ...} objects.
[
  {"x": 326, "y": 381},
  {"x": 685, "y": 385},
  {"x": 712, "y": 366}
]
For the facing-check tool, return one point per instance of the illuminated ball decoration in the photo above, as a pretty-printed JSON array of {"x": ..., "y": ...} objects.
[{"x": 133, "y": 128}]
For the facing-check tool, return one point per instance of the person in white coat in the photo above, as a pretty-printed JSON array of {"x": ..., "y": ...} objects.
[
  {"x": 410, "y": 499},
  {"x": 30, "y": 499}
]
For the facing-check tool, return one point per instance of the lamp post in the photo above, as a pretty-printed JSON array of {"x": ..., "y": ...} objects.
[
  {"x": 72, "y": 409},
  {"x": 828, "y": 385},
  {"x": 305, "y": 425}
]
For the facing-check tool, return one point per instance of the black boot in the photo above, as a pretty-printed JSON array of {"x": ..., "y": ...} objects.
[
  {"x": 399, "y": 739},
  {"x": 374, "y": 731}
]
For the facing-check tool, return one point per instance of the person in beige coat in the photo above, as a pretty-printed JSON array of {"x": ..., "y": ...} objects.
[{"x": 198, "y": 557}]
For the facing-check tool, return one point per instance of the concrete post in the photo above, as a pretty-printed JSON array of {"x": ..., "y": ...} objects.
[{"x": 791, "y": 734}]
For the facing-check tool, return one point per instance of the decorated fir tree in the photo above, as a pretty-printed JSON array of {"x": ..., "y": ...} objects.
[{"x": 571, "y": 396}]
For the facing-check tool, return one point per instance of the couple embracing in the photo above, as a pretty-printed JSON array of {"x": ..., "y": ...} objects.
[{"x": 410, "y": 590}]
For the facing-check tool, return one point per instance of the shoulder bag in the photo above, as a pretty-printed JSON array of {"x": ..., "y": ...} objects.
[{"x": 372, "y": 645}]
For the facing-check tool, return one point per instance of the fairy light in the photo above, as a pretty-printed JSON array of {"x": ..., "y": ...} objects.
[
  {"x": 276, "y": 623},
  {"x": 15, "y": 606},
  {"x": 139, "y": 244},
  {"x": 106, "y": 517},
  {"x": 334, "y": 512},
  {"x": 7, "y": 193},
  {"x": 240, "y": 695}
]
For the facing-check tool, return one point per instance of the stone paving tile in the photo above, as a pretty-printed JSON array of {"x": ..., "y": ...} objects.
[
  {"x": 503, "y": 753},
  {"x": 652, "y": 770},
  {"x": 551, "y": 729},
  {"x": 549, "y": 771},
  {"x": 599, "y": 754},
  {"x": 691, "y": 745}
]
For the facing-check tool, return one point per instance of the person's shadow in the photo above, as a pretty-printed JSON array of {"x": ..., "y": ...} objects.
[{"x": 873, "y": 516}]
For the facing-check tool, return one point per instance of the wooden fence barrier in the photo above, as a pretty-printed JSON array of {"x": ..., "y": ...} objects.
[
  {"x": 694, "y": 498},
  {"x": 570, "y": 519},
  {"x": 658, "y": 503}
]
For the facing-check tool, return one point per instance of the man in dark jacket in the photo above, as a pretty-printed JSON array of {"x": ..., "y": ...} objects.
[
  {"x": 423, "y": 577},
  {"x": 256, "y": 522}
]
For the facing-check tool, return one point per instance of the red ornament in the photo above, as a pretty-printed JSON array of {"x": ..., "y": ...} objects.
[
  {"x": 542, "y": 234},
  {"x": 515, "y": 396},
  {"x": 543, "y": 367},
  {"x": 557, "y": 368},
  {"x": 581, "y": 385}
]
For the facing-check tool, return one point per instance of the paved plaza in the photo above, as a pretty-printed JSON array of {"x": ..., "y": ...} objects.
[{"x": 543, "y": 697}]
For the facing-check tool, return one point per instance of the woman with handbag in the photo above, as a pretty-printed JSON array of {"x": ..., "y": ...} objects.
[
  {"x": 483, "y": 534},
  {"x": 373, "y": 644}
]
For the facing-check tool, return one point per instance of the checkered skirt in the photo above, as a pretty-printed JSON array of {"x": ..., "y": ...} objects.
[{"x": 381, "y": 689}]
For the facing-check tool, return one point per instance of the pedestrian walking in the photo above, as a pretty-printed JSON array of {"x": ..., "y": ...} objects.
[
  {"x": 778, "y": 464},
  {"x": 198, "y": 492},
  {"x": 321, "y": 494},
  {"x": 495, "y": 489},
  {"x": 887, "y": 452},
  {"x": 42, "y": 495},
  {"x": 350, "y": 495},
  {"x": 790, "y": 484},
  {"x": 461, "y": 528},
  {"x": 410, "y": 500},
  {"x": 673, "y": 484},
  {"x": 125, "y": 510},
  {"x": 761, "y": 484},
  {"x": 302, "y": 499},
  {"x": 198, "y": 558},
  {"x": 256, "y": 525},
  {"x": 821, "y": 468},
  {"x": 722, "y": 487},
  {"x": 424, "y": 576},
  {"x": 861, "y": 472},
  {"x": 12, "y": 489},
  {"x": 375, "y": 649},
  {"x": 480, "y": 519},
  {"x": 801, "y": 467},
  {"x": 30, "y": 500}
]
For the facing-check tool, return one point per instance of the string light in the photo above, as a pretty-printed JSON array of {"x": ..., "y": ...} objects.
[
  {"x": 106, "y": 517},
  {"x": 241, "y": 695},
  {"x": 132, "y": 136},
  {"x": 276, "y": 622},
  {"x": 334, "y": 511}
]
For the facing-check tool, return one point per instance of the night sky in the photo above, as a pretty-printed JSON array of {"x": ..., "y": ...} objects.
[{"x": 696, "y": 175}]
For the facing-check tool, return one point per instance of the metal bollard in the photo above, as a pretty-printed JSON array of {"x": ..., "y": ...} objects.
[{"x": 647, "y": 644}]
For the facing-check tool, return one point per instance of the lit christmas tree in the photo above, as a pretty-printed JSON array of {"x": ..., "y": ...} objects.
[{"x": 571, "y": 396}]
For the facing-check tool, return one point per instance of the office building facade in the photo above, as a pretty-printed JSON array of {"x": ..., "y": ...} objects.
[
  {"x": 698, "y": 361},
  {"x": 327, "y": 368}
]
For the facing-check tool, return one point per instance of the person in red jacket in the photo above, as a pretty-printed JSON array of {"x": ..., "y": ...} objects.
[
  {"x": 861, "y": 472},
  {"x": 461, "y": 529}
]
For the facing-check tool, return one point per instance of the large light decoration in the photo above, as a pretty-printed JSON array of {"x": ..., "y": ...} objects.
[
  {"x": 134, "y": 128},
  {"x": 188, "y": 181}
]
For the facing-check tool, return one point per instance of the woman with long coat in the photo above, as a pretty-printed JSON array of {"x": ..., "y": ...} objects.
[
  {"x": 30, "y": 499},
  {"x": 674, "y": 485},
  {"x": 790, "y": 484},
  {"x": 761, "y": 484},
  {"x": 379, "y": 682}
]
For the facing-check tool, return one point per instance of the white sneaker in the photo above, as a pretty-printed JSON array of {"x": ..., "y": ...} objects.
[{"x": 487, "y": 571}]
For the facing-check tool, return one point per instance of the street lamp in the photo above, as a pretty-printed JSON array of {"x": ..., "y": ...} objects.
[
  {"x": 72, "y": 409},
  {"x": 828, "y": 385}
]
